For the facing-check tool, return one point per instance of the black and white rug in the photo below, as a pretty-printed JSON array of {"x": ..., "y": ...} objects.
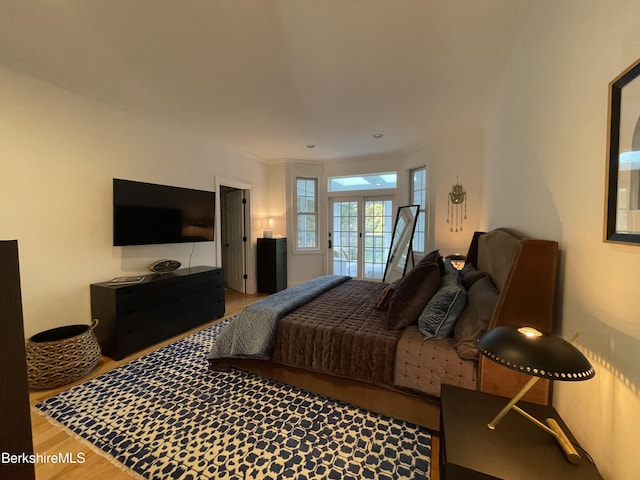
[{"x": 166, "y": 416}]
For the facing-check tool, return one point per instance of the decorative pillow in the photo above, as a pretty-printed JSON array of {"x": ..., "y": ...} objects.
[
  {"x": 469, "y": 275},
  {"x": 414, "y": 291},
  {"x": 439, "y": 316},
  {"x": 434, "y": 257},
  {"x": 384, "y": 299},
  {"x": 474, "y": 320},
  {"x": 449, "y": 268}
]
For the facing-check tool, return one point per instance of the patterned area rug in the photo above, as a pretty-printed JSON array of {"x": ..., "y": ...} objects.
[{"x": 166, "y": 416}]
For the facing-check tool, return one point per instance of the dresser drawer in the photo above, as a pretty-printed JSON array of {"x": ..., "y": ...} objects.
[{"x": 146, "y": 296}]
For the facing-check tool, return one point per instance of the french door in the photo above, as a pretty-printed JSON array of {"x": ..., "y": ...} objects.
[{"x": 360, "y": 236}]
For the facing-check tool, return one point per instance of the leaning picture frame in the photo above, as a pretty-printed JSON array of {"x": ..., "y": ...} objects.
[{"x": 622, "y": 214}]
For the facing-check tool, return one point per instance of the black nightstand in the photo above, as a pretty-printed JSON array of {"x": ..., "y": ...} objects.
[
  {"x": 515, "y": 450},
  {"x": 272, "y": 264}
]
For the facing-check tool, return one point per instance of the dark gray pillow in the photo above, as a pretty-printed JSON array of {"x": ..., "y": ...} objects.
[
  {"x": 474, "y": 320},
  {"x": 439, "y": 316},
  {"x": 449, "y": 268},
  {"x": 469, "y": 275},
  {"x": 434, "y": 257},
  {"x": 414, "y": 291}
]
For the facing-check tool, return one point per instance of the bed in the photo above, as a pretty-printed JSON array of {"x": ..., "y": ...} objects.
[{"x": 360, "y": 341}]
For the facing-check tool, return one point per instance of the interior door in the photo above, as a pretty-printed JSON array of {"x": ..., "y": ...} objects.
[
  {"x": 234, "y": 242},
  {"x": 360, "y": 236}
]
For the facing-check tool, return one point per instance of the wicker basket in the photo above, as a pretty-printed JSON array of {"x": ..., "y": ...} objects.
[{"x": 61, "y": 355}]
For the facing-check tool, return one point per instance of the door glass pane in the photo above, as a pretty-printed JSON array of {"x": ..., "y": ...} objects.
[
  {"x": 345, "y": 238},
  {"x": 377, "y": 236}
]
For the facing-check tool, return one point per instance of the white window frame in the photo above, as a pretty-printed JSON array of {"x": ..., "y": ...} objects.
[
  {"x": 423, "y": 207},
  {"x": 363, "y": 182},
  {"x": 296, "y": 247}
]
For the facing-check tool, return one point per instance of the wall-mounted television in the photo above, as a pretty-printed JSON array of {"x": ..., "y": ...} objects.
[{"x": 146, "y": 213}]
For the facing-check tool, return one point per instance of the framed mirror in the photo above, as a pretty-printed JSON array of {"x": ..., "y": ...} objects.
[
  {"x": 622, "y": 216},
  {"x": 401, "y": 243}
]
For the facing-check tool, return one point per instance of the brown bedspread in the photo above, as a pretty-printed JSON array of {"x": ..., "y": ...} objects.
[{"x": 340, "y": 333}]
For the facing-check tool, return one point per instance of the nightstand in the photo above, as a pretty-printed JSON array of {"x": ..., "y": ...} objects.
[
  {"x": 515, "y": 450},
  {"x": 272, "y": 264}
]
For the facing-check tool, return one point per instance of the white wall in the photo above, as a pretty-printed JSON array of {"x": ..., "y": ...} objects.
[
  {"x": 58, "y": 154},
  {"x": 545, "y": 149},
  {"x": 456, "y": 158},
  {"x": 276, "y": 207}
]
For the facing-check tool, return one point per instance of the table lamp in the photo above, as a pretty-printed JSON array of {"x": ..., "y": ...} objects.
[{"x": 540, "y": 355}]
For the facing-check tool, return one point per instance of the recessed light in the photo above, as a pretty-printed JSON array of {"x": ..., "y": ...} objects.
[
  {"x": 377, "y": 135},
  {"x": 311, "y": 146}
]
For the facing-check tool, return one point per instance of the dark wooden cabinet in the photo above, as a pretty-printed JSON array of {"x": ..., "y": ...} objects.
[
  {"x": 516, "y": 450},
  {"x": 132, "y": 317},
  {"x": 15, "y": 437},
  {"x": 272, "y": 264}
]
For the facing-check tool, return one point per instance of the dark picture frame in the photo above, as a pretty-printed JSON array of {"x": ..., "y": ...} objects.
[{"x": 622, "y": 215}]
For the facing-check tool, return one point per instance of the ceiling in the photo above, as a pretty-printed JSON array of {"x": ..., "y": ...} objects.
[{"x": 269, "y": 77}]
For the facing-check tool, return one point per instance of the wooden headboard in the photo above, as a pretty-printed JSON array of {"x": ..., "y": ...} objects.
[{"x": 524, "y": 271}]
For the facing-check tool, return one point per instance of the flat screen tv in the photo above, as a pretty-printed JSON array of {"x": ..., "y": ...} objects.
[{"x": 146, "y": 213}]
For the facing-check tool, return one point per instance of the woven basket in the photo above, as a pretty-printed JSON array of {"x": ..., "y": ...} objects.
[{"x": 61, "y": 355}]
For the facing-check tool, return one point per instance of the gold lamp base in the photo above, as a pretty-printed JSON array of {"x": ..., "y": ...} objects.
[{"x": 552, "y": 427}]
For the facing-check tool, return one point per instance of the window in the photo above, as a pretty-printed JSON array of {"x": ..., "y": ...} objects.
[
  {"x": 307, "y": 213},
  {"x": 371, "y": 181},
  {"x": 419, "y": 197}
]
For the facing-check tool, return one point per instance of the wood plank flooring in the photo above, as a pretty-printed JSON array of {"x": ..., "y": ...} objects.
[{"x": 50, "y": 440}]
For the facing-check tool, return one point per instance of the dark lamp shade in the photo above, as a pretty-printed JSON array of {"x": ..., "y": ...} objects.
[{"x": 541, "y": 355}]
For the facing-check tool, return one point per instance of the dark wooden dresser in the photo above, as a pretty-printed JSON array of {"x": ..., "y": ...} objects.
[{"x": 132, "y": 317}]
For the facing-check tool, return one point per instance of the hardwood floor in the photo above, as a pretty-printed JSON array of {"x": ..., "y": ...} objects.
[{"x": 48, "y": 439}]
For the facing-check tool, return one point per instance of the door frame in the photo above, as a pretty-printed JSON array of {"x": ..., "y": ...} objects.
[{"x": 250, "y": 284}]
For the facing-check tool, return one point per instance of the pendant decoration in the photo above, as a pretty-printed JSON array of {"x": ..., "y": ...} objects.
[{"x": 457, "y": 206}]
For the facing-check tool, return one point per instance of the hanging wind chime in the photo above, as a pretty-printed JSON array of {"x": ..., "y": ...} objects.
[{"x": 455, "y": 204}]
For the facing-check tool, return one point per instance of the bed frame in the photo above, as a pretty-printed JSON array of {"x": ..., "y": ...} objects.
[{"x": 524, "y": 271}]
